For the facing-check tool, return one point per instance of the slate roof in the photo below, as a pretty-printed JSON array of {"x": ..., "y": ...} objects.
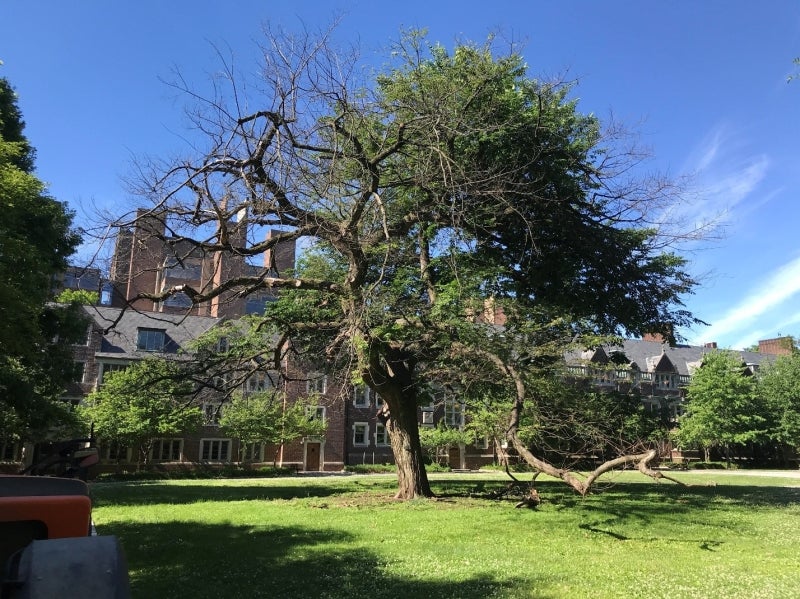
[
  {"x": 121, "y": 340},
  {"x": 652, "y": 356}
]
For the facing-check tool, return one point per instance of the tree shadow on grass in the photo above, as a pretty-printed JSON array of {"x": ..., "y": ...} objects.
[
  {"x": 660, "y": 512},
  {"x": 646, "y": 494},
  {"x": 624, "y": 511},
  {"x": 177, "y": 559},
  {"x": 129, "y": 494}
]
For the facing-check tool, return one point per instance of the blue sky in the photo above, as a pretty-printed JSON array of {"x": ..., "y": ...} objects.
[{"x": 704, "y": 83}]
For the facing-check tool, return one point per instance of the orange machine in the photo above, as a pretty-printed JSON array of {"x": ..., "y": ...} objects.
[{"x": 47, "y": 545}]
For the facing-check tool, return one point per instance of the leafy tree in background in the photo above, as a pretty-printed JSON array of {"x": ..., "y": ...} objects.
[
  {"x": 447, "y": 195},
  {"x": 779, "y": 389},
  {"x": 147, "y": 400},
  {"x": 723, "y": 408},
  {"x": 36, "y": 238},
  {"x": 78, "y": 296},
  {"x": 437, "y": 440},
  {"x": 266, "y": 417}
]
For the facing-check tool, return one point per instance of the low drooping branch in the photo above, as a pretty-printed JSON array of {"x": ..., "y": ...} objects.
[{"x": 581, "y": 483}]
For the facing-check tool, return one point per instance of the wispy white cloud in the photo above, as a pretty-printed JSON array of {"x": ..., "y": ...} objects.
[
  {"x": 767, "y": 294},
  {"x": 786, "y": 326},
  {"x": 708, "y": 151},
  {"x": 723, "y": 175}
]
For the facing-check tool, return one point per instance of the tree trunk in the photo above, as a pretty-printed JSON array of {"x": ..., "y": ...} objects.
[
  {"x": 394, "y": 383},
  {"x": 727, "y": 456},
  {"x": 403, "y": 429}
]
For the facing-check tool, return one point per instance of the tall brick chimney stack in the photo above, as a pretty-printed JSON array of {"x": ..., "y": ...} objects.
[{"x": 281, "y": 257}]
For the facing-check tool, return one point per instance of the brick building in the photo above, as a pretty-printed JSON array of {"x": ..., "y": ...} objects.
[
  {"x": 139, "y": 335},
  {"x": 657, "y": 371},
  {"x": 148, "y": 260}
]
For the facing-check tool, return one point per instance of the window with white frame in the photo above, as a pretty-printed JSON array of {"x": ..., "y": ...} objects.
[
  {"x": 211, "y": 414},
  {"x": 166, "y": 450},
  {"x": 317, "y": 384},
  {"x": 253, "y": 452},
  {"x": 150, "y": 339},
  {"x": 577, "y": 370},
  {"x": 222, "y": 344},
  {"x": 259, "y": 381},
  {"x": 108, "y": 367},
  {"x": 453, "y": 412},
  {"x": 427, "y": 417},
  {"x": 360, "y": 433},
  {"x": 380, "y": 435},
  {"x": 315, "y": 413},
  {"x": 215, "y": 450},
  {"x": 361, "y": 396}
]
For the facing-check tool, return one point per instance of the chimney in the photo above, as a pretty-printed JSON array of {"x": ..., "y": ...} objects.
[
  {"x": 710, "y": 345},
  {"x": 661, "y": 333},
  {"x": 281, "y": 256},
  {"x": 654, "y": 337}
]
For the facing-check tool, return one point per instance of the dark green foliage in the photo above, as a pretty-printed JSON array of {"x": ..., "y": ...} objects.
[
  {"x": 36, "y": 238},
  {"x": 12, "y": 127},
  {"x": 370, "y": 468}
]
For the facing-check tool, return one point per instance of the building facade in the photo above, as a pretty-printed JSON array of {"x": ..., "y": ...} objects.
[
  {"x": 147, "y": 260},
  {"x": 117, "y": 338}
]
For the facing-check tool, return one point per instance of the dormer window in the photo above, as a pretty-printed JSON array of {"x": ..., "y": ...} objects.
[{"x": 150, "y": 339}]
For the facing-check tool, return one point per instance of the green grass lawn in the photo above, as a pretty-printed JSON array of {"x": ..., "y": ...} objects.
[{"x": 344, "y": 536}]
